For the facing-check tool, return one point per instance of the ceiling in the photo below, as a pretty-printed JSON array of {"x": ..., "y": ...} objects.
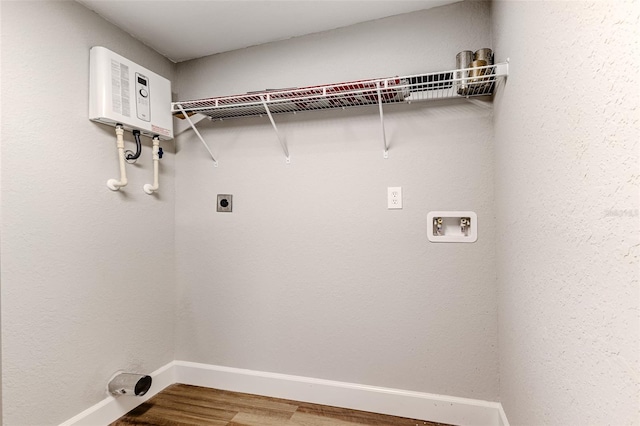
[{"x": 187, "y": 29}]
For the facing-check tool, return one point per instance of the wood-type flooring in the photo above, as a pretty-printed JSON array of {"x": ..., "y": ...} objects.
[{"x": 196, "y": 406}]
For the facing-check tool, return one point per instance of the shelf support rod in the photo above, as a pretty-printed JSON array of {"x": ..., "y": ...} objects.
[
  {"x": 273, "y": 123},
  {"x": 385, "y": 153},
  {"x": 215, "y": 163}
]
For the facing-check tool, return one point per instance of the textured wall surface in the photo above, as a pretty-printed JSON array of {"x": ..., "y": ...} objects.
[
  {"x": 311, "y": 274},
  {"x": 567, "y": 167},
  {"x": 87, "y": 274}
]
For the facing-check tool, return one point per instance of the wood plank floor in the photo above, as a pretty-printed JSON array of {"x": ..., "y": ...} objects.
[{"x": 195, "y": 406}]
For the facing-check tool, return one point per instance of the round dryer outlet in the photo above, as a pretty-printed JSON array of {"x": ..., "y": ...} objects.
[{"x": 225, "y": 202}]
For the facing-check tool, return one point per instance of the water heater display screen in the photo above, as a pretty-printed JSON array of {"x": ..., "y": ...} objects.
[{"x": 142, "y": 81}]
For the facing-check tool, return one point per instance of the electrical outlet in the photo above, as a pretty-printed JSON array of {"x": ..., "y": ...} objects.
[
  {"x": 225, "y": 202},
  {"x": 394, "y": 197}
]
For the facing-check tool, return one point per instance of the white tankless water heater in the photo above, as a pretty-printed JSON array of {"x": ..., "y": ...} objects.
[{"x": 123, "y": 92}]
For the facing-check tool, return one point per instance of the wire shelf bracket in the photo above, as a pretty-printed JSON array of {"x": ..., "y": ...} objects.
[
  {"x": 283, "y": 143},
  {"x": 385, "y": 153},
  {"x": 179, "y": 106}
]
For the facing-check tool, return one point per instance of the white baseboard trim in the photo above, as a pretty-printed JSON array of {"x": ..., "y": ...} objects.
[
  {"x": 503, "y": 416},
  {"x": 396, "y": 402}
]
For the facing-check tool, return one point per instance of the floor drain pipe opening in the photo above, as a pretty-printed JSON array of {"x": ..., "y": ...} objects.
[{"x": 130, "y": 384}]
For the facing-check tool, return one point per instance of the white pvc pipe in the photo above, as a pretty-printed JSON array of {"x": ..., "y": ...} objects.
[
  {"x": 148, "y": 188},
  {"x": 114, "y": 184}
]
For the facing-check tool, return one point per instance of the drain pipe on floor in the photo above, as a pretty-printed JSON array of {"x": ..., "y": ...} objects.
[{"x": 129, "y": 384}]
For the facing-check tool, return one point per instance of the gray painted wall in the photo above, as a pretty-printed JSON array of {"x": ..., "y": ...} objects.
[
  {"x": 566, "y": 169},
  {"x": 311, "y": 274},
  {"x": 87, "y": 274}
]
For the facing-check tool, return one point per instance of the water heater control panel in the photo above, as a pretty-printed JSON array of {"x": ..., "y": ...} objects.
[{"x": 123, "y": 92}]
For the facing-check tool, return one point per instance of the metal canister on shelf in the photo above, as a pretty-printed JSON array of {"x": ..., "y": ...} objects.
[
  {"x": 463, "y": 60},
  {"x": 484, "y": 54},
  {"x": 476, "y": 86},
  {"x": 477, "y": 70}
]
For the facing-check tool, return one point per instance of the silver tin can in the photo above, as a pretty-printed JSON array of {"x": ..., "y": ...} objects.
[
  {"x": 476, "y": 82},
  {"x": 463, "y": 60},
  {"x": 484, "y": 54}
]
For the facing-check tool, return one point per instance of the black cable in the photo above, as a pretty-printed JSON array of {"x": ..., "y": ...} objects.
[{"x": 130, "y": 154}]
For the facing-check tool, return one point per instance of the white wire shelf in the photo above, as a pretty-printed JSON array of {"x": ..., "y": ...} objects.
[
  {"x": 461, "y": 83},
  {"x": 465, "y": 83}
]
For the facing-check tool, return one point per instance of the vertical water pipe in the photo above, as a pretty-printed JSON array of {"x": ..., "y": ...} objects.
[
  {"x": 148, "y": 188},
  {"x": 114, "y": 184}
]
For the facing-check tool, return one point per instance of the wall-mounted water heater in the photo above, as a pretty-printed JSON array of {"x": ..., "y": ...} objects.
[{"x": 123, "y": 92}]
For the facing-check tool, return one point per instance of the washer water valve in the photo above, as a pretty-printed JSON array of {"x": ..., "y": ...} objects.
[
  {"x": 437, "y": 226},
  {"x": 465, "y": 222}
]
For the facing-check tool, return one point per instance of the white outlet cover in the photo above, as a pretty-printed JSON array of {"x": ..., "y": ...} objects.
[
  {"x": 452, "y": 232},
  {"x": 394, "y": 197}
]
